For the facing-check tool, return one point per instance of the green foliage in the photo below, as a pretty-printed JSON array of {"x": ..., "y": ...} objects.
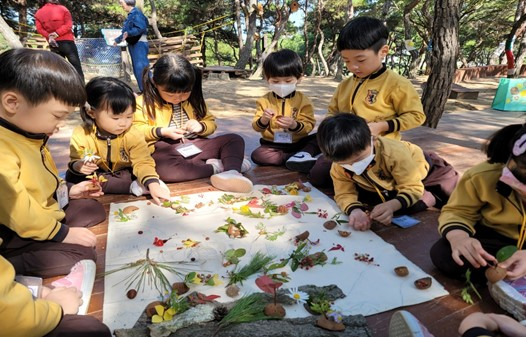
[
  {"x": 505, "y": 253},
  {"x": 466, "y": 296}
]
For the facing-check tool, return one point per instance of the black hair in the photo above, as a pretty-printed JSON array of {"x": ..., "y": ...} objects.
[
  {"x": 175, "y": 74},
  {"x": 106, "y": 93},
  {"x": 499, "y": 145},
  {"x": 343, "y": 135},
  {"x": 282, "y": 63},
  {"x": 363, "y": 33},
  {"x": 40, "y": 76}
]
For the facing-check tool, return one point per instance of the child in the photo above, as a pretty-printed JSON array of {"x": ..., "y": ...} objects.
[
  {"x": 285, "y": 116},
  {"x": 42, "y": 233},
  {"x": 486, "y": 211},
  {"x": 107, "y": 144},
  {"x": 175, "y": 121},
  {"x": 387, "y": 101},
  {"x": 378, "y": 174},
  {"x": 479, "y": 324},
  {"x": 54, "y": 314}
]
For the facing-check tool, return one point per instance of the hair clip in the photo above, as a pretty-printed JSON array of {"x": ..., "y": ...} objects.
[
  {"x": 519, "y": 147},
  {"x": 87, "y": 106}
]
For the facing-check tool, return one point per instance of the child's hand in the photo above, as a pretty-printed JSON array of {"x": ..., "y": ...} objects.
[
  {"x": 85, "y": 167},
  {"x": 383, "y": 212},
  {"x": 268, "y": 114},
  {"x": 70, "y": 299},
  {"x": 464, "y": 245},
  {"x": 157, "y": 192},
  {"x": 286, "y": 122},
  {"x": 81, "y": 236},
  {"x": 193, "y": 126},
  {"x": 81, "y": 190},
  {"x": 515, "y": 265},
  {"x": 359, "y": 220},
  {"x": 378, "y": 128},
  {"x": 173, "y": 132}
]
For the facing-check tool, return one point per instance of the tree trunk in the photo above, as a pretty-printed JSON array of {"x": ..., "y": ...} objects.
[
  {"x": 350, "y": 10},
  {"x": 12, "y": 40},
  {"x": 320, "y": 54},
  {"x": 306, "y": 37},
  {"x": 238, "y": 24},
  {"x": 22, "y": 18},
  {"x": 443, "y": 60},
  {"x": 153, "y": 20},
  {"x": 250, "y": 9},
  {"x": 413, "y": 64}
]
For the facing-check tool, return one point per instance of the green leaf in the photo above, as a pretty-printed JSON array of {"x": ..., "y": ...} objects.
[{"x": 505, "y": 253}]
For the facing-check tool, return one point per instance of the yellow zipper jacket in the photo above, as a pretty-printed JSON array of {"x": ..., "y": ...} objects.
[
  {"x": 297, "y": 105},
  {"x": 28, "y": 181},
  {"x": 397, "y": 170},
  {"x": 163, "y": 115},
  {"x": 480, "y": 199},
  {"x": 384, "y": 96},
  {"x": 126, "y": 150}
]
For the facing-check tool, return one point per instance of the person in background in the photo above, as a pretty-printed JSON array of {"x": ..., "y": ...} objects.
[
  {"x": 42, "y": 219},
  {"x": 53, "y": 21},
  {"x": 134, "y": 32},
  {"x": 387, "y": 101},
  {"x": 176, "y": 123},
  {"x": 285, "y": 116}
]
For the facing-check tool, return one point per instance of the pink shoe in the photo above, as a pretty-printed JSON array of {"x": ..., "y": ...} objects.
[{"x": 82, "y": 277}]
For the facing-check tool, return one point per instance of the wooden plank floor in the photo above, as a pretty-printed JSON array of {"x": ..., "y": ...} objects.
[{"x": 442, "y": 316}]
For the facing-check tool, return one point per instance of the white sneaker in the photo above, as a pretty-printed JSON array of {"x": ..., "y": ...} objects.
[
  {"x": 218, "y": 165},
  {"x": 404, "y": 324},
  {"x": 82, "y": 277},
  {"x": 231, "y": 181},
  {"x": 138, "y": 189},
  {"x": 301, "y": 162}
]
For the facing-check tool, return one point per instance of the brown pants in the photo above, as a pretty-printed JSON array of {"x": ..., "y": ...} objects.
[
  {"x": 172, "y": 167},
  {"x": 276, "y": 154},
  {"x": 117, "y": 182},
  {"x": 49, "y": 258},
  {"x": 80, "y": 326}
]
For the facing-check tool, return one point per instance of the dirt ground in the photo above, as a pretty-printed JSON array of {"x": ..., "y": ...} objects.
[{"x": 233, "y": 102}]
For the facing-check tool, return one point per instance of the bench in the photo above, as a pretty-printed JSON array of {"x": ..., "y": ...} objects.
[
  {"x": 225, "y": 72},
  {"x": 189, "y": 46},
  {"x": 35, "y": 41},
  {"x": 460, "y": 92}
]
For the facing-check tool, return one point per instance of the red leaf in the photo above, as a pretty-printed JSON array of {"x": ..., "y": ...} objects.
[
  {"x": 158, "y": 242},
  {"x": 337, "y": 247},
  {"x": 267, "y": 284},
  {"x": 211, "y": 297}
]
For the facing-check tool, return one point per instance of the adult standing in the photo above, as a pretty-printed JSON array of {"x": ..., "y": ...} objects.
[
  {"x": 54, "y": 22},
  {"x": 134, "y": 32}
]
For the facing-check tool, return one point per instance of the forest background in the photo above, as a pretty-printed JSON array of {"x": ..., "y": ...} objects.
[{"x": 430, "y": 37}]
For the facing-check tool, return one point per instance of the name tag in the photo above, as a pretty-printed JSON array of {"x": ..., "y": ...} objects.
[
  {"x": 188, "y": 150},
  {"x": 62, "y": 195},
  {"x": 282, "y": 137}
]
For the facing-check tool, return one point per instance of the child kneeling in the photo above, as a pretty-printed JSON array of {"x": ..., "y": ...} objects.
[{"x": 376, "y": 177}]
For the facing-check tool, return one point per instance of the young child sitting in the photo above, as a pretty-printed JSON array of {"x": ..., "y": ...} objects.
[
  {"x": 387, "y": 101},
  {"x": 285, "y": 116},
  {"x": 375, "y": 177},
  {"x": 175, "y": 121},
  {"x": 107, "y": 145},
  {"x": 42, "y": 228}
]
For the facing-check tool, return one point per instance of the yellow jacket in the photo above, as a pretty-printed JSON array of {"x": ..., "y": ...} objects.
[
  {"x": 28, "y": 181},
  {"x": 298, "y": 106},
  {"x": 480, "y": 199},
  {"x": 385, "y": 96},
  {"x": 151, "y": 128},
  {"x": 128, "y": 149},
  {"x": 20, "y": 314},
  {"x": 397, "y": 172}
]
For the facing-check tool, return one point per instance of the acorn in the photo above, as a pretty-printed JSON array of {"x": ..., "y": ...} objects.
[
  {"x": 330, "y": 224},
  {"x": 232, "y": 290},
  {"x": 344, "y": 233},
  {"x": 129, "y": 209},
  {"x": 131, "y": 294},
  {"x": 303, "y": 236},
  {"x": 495, "y": 274},
  {"x": 401, "y": 271},
  {"x": 150, "y": 308},
  {"x": 180, "y": 288},
  {"x": 275, "y": 310},
  {"x": 423, "y": 283}
]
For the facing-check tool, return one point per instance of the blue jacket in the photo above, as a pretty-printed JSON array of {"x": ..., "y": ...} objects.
[{"x": 136, "y": 24}]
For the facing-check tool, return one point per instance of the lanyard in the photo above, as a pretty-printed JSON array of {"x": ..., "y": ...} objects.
[
  {"x": 522, "y": 234},
  {"x": 375, "y": 187}
]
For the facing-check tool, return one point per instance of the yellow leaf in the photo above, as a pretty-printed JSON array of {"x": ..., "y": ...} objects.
[
  {"x": 293, "y": 192},
  {"x": 171, "y": 311},
  {"x": 157, "y": 319},
  {"x": 244, "y": 209},
  {"x": 167, "y": 316},
  {"x": 159, "y": 309}
]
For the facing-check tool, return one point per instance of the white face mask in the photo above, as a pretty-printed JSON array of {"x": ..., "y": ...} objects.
[
  {"x": 360, "y": 166},
  {"x": 282, "y": 89}
]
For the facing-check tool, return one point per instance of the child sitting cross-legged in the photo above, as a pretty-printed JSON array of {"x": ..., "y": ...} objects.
[{"x": 376, "y": 177}]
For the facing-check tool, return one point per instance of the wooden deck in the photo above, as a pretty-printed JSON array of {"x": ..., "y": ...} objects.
[{"x": 442, "y": 316}]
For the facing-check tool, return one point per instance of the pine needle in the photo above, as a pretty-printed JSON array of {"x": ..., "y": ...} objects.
[
  {"x": 247, "y": 309},
  {"x": 258, "y": 261}
]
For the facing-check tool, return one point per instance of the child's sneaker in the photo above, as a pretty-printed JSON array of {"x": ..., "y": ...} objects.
[
  {"x": 231, "y": 181},
  {"x": 217, "y": 164},
  {"x": 138, "y": 189},
  {"x": 82, "y": 277},
  {"x": 300, "y": 162},
  {"x": 246, "y": 165},
  {"x": 404, "y": 324}
]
